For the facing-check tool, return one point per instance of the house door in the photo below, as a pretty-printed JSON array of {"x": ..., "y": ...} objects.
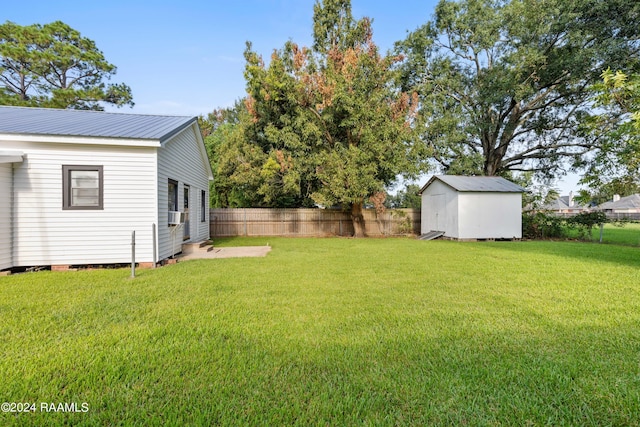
[{"x": 187, "y": 224}]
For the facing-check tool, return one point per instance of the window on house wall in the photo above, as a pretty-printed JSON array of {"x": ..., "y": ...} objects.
[
  {"x": 203, "y": 206},
  {"x": 82, "y": 187},
  {"x": 172, "y": 194}
]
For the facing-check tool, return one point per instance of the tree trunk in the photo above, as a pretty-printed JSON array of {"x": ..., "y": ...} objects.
[{"x": 357, "y": 219}]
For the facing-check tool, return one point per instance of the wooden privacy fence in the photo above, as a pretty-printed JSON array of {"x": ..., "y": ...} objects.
[{"x": 310, "y": 222}]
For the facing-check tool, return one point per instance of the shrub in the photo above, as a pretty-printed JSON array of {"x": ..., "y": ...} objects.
[
  {"x": 404, "y": 224},
  {"x": 585, "y": 221},
  {"x": 541, "y": 225}
]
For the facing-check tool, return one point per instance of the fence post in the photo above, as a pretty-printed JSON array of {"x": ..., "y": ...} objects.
[{"x": 601, "y": 231}]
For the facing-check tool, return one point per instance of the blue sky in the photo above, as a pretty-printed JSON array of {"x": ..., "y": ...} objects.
[{"x": 185, "y": 58}]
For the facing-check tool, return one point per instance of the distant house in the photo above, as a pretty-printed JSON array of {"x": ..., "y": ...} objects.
[
  {"x": 622, "y": 205},
  {"x": 75, "y": 184},
  {"x": 472, "y": 207},
  {"x": 564, "y": 205}
]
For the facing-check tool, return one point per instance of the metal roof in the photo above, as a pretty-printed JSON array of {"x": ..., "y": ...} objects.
[
  {"x": 100, "y": 124},
  {"x": 628, "y": 202},
  {"x": 489, "y": 184}
]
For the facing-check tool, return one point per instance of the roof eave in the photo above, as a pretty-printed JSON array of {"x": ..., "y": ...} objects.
[
  {"x": 90, "y": 140},
  {"x": 11, "y": 156},
  {"x": 424, "y": 187},
  {"x": 177, "y": 130}
]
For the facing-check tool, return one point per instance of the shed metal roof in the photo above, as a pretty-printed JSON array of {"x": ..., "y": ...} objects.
[
  {"x": 100, "y": 124},
  {"x": 489, "y": 184}
]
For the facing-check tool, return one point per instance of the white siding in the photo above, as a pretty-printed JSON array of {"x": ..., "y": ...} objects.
[
  {"x": 45, "y": 234},
  {"x": 490, "y": 215},
  {"x": 5, "y": 216},
  {"x": 439, "y": 209},
  {"x": 180, "y": 159},
  {"x": 471, "y": 215}
]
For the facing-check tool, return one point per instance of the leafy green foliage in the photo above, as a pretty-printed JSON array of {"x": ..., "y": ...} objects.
[
  {"x": 324, "y": 125},
  {"x": 53, "y": 66},
  {"x": 408, "y": 197},
  {"x": 615, "y": 169},
  {"x": 503, "y": 83},
  {"x": 585, "y": 221},
  {"x": 236, "y": 163},
  {"x": 542, "y": 225},
  {"x": 545, "y": 225},
  {"x": 405, "y": 225}
]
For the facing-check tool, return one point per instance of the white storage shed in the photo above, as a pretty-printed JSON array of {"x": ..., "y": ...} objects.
[
  {"x": 74, "y": 185},
  {"x": 472, "y": 207}
]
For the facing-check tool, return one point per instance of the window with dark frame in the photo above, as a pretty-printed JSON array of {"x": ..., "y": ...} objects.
[
  {"x": 203, "y": 206},
  {"x": 172, "y": 193},
  {"x": 82, "y": 187}
]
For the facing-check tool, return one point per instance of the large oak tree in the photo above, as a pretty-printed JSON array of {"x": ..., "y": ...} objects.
[{"x": 504, "y": 83}]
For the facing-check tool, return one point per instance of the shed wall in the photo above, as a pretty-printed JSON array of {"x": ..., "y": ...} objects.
[
  {"x": 490, "y": 215},
  {"x": 180, "y": 159},
  {"x": 45, "y": 234},
  {"x": 6, "y": 243},
  {"x": 439, "y": 209}
]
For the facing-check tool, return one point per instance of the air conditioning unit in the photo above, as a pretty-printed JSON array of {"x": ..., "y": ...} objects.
[{"x": 176, "y": 218}]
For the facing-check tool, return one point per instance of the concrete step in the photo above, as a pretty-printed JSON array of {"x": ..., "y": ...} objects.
[{"x": 203, "y": 246}]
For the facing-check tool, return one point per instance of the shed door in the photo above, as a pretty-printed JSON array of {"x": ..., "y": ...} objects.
[
  {"x": 187, "y": 223},
  {"x": 438, "y": 212}
]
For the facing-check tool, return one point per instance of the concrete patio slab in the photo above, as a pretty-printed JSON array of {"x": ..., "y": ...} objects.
[{"x": 228, "y": 252}]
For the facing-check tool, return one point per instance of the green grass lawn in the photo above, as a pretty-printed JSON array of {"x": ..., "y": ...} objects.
[
  {"x": 617, "y": 234},
  {"x": 627, "y": 234},
  {"x": 334, "y": 332}
]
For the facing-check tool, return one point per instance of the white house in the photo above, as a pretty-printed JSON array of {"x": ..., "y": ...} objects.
[
  {"x": 472, "y": 207},
  {"x": 564, "y": 205},
  {"x": 74, "y": 185}
]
